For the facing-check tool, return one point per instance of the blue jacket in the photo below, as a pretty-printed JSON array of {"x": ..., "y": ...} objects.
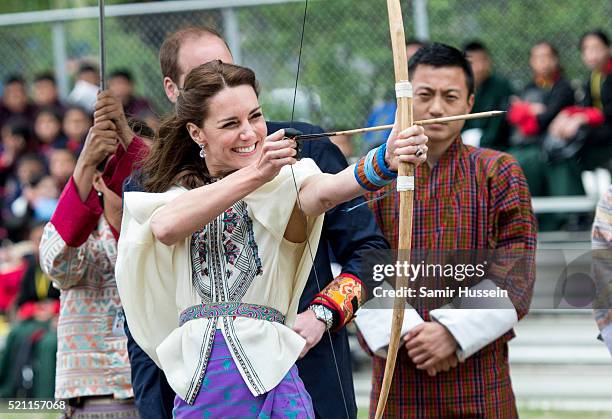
[{"x": 347, "y": 236}]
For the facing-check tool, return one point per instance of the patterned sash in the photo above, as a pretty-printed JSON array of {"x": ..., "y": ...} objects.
[{"x": 231, "y": 309}]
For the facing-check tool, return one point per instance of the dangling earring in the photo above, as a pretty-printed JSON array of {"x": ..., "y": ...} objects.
[{"x": 202, "y": 151}]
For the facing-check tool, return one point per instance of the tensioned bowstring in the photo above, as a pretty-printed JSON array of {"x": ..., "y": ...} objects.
[{"x": 314, "y": 268}]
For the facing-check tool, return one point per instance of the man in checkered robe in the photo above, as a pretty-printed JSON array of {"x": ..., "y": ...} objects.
[{"x": 455, "y": 364}]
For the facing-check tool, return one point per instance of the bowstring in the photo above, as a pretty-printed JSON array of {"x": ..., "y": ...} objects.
[{"x": 314, "y": 268}]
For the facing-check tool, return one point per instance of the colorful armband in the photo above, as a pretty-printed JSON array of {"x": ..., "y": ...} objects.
[
  {"x": 371, "y": 171},
  {"x": 344, "y": 295}
]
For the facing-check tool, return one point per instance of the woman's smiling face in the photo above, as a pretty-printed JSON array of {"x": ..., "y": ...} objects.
[{"x": 233, "y": 131}]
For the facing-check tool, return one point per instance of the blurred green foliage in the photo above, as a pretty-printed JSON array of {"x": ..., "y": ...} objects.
[
  {"x": 346, "y": 64},
  {"x": 347, "y": 59}
]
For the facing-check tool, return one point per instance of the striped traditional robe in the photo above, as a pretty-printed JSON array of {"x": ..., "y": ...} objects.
[{"x": 473, "y": 198}]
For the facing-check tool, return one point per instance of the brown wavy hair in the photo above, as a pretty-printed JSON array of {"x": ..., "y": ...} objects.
[{"x": 175, "y": 158}]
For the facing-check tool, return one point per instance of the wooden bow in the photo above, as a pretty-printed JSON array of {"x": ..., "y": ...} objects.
[
  {"x": 406, "y": 195},
  {"x": 405, "y": 182}
]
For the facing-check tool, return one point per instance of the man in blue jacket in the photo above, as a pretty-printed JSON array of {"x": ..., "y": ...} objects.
[{"x": 347, "y": 235}]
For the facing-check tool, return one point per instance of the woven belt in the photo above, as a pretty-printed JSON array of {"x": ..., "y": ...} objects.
[{"x": 231, "y": 309}]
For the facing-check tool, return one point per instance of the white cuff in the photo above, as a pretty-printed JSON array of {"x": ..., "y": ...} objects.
[
  {"x": 475, "y": 328},
  {"x": 374, "y": 320},
  {"x": 375, "y": 326}
]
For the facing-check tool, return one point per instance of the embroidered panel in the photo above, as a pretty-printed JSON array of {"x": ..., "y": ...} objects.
[
  {"x": 225, "y": 262},
  {"x": 225, "y": 256}
]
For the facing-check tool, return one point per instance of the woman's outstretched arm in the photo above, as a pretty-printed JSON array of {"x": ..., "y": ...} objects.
[
  {"x": 322, "y": 192},
  {"x": 197, "y": 207},
  {"x": 194, "y": 209}
]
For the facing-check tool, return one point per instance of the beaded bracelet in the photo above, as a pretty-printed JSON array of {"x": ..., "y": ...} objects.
[{"x": 371, "y": 171}]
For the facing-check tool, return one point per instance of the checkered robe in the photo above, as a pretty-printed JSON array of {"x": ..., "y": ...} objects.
[{"x": 473, "y": 198}]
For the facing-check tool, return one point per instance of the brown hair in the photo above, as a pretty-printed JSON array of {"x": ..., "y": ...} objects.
[
  {"x": 169, "y": 50},
  {"x": 174, "y": 157}
]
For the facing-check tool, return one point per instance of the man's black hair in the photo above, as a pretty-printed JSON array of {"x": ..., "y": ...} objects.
[
  {"x": 441, "y": 55},
  {"x": 554, "y": 50},
  {"x": 86, "y": 68},
  {"x": 78, "y": 108},
  {"x": 122, "y": 72},
  {"x": 14, "y": 78},
  {"x": 475, "y": 46},
  {"x": 599, "y": 34},
  {"x": 50, "y": 109},
  {"x": 18, "y": 125},
  {"x": 46, "y": 76},
  {"x": 32, "y": 157}
]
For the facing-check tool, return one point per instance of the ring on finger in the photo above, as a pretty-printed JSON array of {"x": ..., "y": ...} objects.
[{"x": 419, "y": 151}]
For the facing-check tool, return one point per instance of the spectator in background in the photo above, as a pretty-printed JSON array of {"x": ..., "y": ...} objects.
[
  {"x": 12, "y": 268},
  {"x": 61, "y": 165},
  {"x": 531, "y": 114},
  {"x": 384, "y": 113},
  {"x": 23, "y": 193},
  {"x": 15, "y": 101},
  {"x": 492, "y": 93},
  {"x": 48, "y": 130},
  {"x": 85, "y": 87},
  {"x": 45, "y": 93},
  {"x": 77, "y": 122},
  {"x": 121, "y": 84},
  {"x": 27, "y": 366},
  {"x": 586, "y": 131},
  {"x": 15, "y": 138},
  {"x": 37, "y": 202},
  {"x": 28, "y": 169}
]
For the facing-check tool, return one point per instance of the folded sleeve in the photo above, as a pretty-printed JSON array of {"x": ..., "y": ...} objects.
[
  {"x": 68, "y": 265},
  {"x": 374, "y": 322},
  {"x": 473, "y": 329},
  {"x": 274, "y": 214},
  {"x": 122, "y": 163},
  {"x": 74, "y": 219},
  {"x": 147, "y": 271}
]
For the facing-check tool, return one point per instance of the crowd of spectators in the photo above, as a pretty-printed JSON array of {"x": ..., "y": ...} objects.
[
  {"x": 41, "y": 139},
  {"x": 556, "y": 129}
]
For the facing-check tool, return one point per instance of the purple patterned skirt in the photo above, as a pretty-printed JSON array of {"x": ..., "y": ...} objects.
[{"x": 224, "y": 394}]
